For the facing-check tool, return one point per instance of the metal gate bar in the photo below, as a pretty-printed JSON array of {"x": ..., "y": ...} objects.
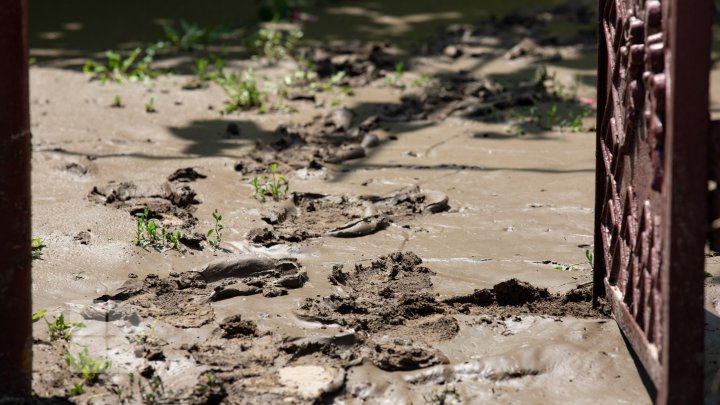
[
  {"x": 15, "y": 253},
  {"x": 651, "y": 183}
]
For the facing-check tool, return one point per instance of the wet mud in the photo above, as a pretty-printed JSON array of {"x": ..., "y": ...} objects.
[
  {"x": 288, "y": 309},
  {"x": 310, "y": 215}
]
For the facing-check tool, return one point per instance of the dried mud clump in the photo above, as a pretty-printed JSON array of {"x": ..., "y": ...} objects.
[
  {"x": 310, "y": 215},
  {"x": 333, "y": 138},
  {"x": 361, "y": 61},
  {"x": 514, "y": 297},
  {"x": 385, "y": 302},
  {"x": 183, "y": 299},
  {"x": 173, "y": 204}
]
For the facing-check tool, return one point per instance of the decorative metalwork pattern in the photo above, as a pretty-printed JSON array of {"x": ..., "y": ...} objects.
[
  {"x": 652, "y": 176},
  {"x": 632, "y": 146}
]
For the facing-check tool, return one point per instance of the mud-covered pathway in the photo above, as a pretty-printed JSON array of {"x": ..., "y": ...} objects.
[{"x": 428, "y": 251}]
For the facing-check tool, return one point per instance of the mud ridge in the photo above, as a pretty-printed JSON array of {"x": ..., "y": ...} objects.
[{"x": 311, "y": 215}]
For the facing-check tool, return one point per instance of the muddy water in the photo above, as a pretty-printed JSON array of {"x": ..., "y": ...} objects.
[{"x": 519, "y": 207}]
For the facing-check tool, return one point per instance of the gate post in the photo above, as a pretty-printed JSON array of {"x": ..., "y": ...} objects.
[
  {"x": 687, "y": 130},
  {"x": 15, "y": 252}
]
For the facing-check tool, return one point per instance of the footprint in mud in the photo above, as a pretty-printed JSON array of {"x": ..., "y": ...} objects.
[
  {"x": 183, "y": 299},
  {"x": 392, "y": 306},
  {"x": 309, "y": 215},
  {"x": 332, "y": 138}
]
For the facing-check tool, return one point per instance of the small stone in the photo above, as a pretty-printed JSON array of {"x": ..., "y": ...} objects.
[
  {"x": 310, "y": 381},
  {"x": 370, "y": 141},
  {"x": 452, "y": 51},
  {"x": 274, "y": 292}
]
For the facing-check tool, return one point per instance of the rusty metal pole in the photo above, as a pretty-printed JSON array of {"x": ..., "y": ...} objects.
[
  {"x": 689, "y": 23},
  {"x": 15, "y": 251}
]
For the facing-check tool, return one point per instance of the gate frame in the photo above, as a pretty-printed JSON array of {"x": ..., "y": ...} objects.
[
  {"x": 15, "y": 251},
  {"x": 678, "y": 372}
]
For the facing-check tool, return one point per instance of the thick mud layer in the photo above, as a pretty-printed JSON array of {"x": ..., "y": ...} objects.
[
  {"x": 309, "y": 215},
  {"x": 183, "y": 300},
  {"x": 173, "y": 202},
  {"x": 363, "y": 132}
]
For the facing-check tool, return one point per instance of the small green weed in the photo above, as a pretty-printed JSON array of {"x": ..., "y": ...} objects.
[
  {"x": 215, "y": 233},
  {"x": 708, "y": 274},
  {"x": 60, "y": 329},
  {"x": 242, "y": 90},
  {"x": 77, "y": 389},
  {"x": 118, "y": 69},
  {"x": 209, "y": 69},
  {"x": 273, "y": 185},
  {"x": 38, "y": 315},
  {"x": 155, "y": 392},
  {"x": 190, "y": 36},
  {"x": 88, "y": 368},
  {"x": 117, "y": 102},
  {"x": 37, "y": 245},
  {"x": 589, "y": 258},
  {"x": 149, "y": 232},
  {"x": 394, "y": 79},
  {"x": 150, "y": 106},
  {"x": 275, "y": 44}
]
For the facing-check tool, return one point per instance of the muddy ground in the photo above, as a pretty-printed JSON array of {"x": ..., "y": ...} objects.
[{"x": 430, "y": 248}]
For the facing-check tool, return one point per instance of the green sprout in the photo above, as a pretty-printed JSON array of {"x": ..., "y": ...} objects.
[
  {"x": 88, "y": 368},
  {"x": 150, "y": 106},
  {"x": 190, "y": 36},
  {"x": 118, "y": 69},
  {"x": 150, "y": 232},
  {"x": 395, "y": 78},
  {"x": 38, "y": 315},
  {"x": 217, "y": 231},
  {"x": 274, "y": 44},
  {"x": 37, "y": 245},
  {"x": 243, "y": 91},
  {"x": 77, "y": 389},
  {"x": 60, "y": 329},
  {"x": 274, "y": 185},
  {"x": 117, "y": 102}
]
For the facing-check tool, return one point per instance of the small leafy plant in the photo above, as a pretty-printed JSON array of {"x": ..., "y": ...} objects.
[
  {"x": 216, "y": 232},
  {"x": 150, "y": 106},
  {"x": 117, "y": 102},
  {"x": 275, "y": 44},
  {"x": 77, "y": 389},
  {"x": 60, "y": 329},
  {"x": 38, "y": 315},
  {"x": 88, "y": 368},
  {"x": 118, "y": 69},
  {"x": 274, "y": 185},
  {"x": 190, "y": 36},
  {"x": 37, "y": 246},
  {"x": 395, "y": 78},
  {"x": 149, "y": 232},
  {"x": 242, "y": 90}
]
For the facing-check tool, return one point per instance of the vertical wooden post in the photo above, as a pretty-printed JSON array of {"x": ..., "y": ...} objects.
[{"x": 15, "y": 251}]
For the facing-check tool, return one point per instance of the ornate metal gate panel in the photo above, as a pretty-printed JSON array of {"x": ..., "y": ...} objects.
[{"x": 651, "y": 184}]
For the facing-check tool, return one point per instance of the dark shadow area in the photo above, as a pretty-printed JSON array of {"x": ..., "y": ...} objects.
[
  {"x": 36, "y": 400},
  {"x": 712, "y": 358},
  {"x": 454, "y": 166},
  {"x": 211, "y": 138}
]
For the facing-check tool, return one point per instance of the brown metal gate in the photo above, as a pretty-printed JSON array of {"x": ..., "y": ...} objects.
[{"x": 652, "y": 183}]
